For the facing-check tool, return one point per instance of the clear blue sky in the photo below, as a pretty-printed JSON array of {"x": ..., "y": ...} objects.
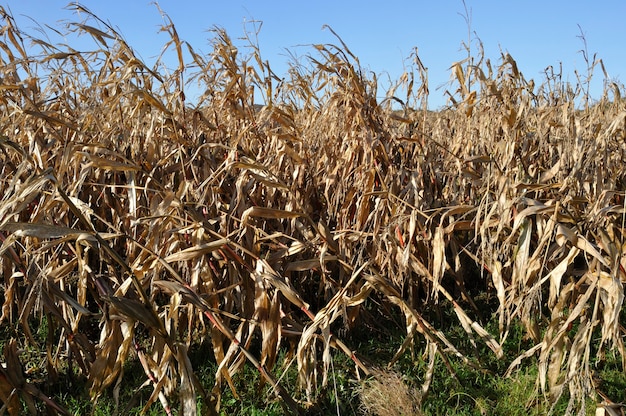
[{"x": 536, "y": 33}]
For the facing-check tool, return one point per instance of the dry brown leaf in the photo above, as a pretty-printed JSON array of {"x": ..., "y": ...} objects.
[
  {"x": 196, "y": 251},
  {"x": 271, "y": 213}
]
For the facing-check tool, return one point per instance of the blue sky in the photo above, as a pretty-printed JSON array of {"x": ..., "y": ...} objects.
[{"x": 536, "y": 33}]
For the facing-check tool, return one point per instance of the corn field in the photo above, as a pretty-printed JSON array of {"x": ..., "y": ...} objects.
[{"x": 137, "y": 224}]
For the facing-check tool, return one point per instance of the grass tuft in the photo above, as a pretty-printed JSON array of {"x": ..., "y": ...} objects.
[{"x": 388, "y": 394}]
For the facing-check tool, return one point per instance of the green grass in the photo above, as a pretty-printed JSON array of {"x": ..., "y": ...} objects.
[
  {"x": 485, "y": 390},
  {"x": 469, "y": 392}
]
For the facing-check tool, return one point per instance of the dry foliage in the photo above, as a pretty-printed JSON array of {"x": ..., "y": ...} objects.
[
  {"x": 388, "y": 395},
  {"x": 138, "y": 225}
]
